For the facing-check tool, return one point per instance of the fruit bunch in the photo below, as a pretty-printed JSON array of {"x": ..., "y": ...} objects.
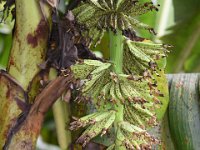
[
  {"x": 102, "y": 15},
  {"x": 124, "y": 89}
]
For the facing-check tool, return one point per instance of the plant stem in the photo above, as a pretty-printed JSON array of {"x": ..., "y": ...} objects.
[
  {"x": 28, "y": 50},
  {"x": 61, "y": 112},
  {"x": 116, "y": 50},
  {"x": 29, "y": 41},
  {"x": 116, "y": 56}
]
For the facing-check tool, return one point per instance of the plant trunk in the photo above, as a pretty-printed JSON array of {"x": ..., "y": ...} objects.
[{"x": 21, "y": 116}]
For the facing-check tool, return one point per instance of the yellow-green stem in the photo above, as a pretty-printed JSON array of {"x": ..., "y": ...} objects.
[
  {"x": 61, "y": 112},
  {"x": 28, "y": 51},
  {"x": 29, "y": 41},
  {"x": 116, "y": 50},
  {"x": 116, "y": 57}
]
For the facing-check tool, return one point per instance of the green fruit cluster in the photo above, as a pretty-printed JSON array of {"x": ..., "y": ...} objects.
[
  {"x": 141, "y": 56},
  {"x": 132, "y": 94},
  {"x": 100, "y": 15},
  {"x": 98, "y": 123},
  {"x": 106, "y": 88}
]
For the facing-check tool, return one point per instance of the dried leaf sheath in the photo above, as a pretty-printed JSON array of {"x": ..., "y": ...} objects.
[{"x": 29, "y": 129}]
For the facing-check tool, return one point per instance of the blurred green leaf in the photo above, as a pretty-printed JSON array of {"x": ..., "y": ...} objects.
[
  {"x": 186, "y": 41},
  {"x": 5, "y": 45},
  {"x": 185, "y": 9},
  {"x": 48, "y": 131},
  {"x": 185, "y": 37},
  {"x": 103, "y": 47},
  {"x": 148, "y": 19},
  {"x": 1, "y": 44},
  {"x": 5, "y": 28},
  {"x": 158, "y": 20}
]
